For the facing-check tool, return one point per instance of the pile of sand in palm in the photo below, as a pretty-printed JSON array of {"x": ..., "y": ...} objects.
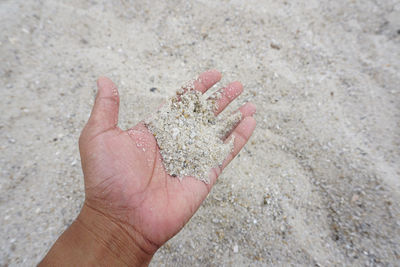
[{"x": 190, "y": 137}]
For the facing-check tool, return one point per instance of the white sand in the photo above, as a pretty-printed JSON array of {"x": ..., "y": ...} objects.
[
  {"x": 190, "y": 137},
  {"x": 317, "y": 184}
]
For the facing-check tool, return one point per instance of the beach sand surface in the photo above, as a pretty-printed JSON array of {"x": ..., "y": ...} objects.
[{"x": 317, "y": 184}]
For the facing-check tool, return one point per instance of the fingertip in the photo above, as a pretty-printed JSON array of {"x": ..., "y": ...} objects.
[
  {"x": 234, "y": 89},
  {"x": 106, "y": 87},
  {"x": 104, "y": 113},
  {"x": 215, "y": 73},
  {"x": 207, "y": 79},
  {"x": 237, "y": 84},
  {"x": 252, "y": 108},
  {"x": 248, "y": 109},
  {"x": 102, "y": 81}
]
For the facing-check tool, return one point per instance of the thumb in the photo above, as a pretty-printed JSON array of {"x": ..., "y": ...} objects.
[{"x": 104, "y": 114}]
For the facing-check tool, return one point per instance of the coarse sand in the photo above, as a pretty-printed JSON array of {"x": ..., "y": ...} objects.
[
  {"x": 318, "y": 183},
  {"x": 190, "y": 136}
]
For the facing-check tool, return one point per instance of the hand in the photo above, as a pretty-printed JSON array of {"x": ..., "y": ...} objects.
[{"x": 125, "y": 182}]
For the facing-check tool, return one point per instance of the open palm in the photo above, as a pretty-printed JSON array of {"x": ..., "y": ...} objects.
[{"x": 125, "y": 179}]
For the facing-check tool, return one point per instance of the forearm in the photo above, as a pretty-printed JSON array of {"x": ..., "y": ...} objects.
[{"x": 92, "y": 240}]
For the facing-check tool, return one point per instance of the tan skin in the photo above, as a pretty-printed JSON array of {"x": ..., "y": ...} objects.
[{"x": 132, "y": 206}]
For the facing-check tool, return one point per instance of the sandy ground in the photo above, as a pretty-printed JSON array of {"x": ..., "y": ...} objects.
[{"x": 319, "y": 182}]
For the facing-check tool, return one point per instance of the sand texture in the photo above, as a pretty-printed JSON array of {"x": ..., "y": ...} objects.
[
  {"x": 317, "y": 184},
  {"x": 189, "y": 135}
]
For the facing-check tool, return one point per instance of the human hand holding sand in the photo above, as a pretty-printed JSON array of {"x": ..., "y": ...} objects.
[{"x": 133, "y": 206}]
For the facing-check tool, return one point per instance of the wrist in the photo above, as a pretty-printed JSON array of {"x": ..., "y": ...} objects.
[
  {"x": 112, "y": 238},
  {"x": 94, "y": 239}
]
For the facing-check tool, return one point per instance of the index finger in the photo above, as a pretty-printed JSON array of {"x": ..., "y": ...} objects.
[{"x": 205, "y": 81}]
